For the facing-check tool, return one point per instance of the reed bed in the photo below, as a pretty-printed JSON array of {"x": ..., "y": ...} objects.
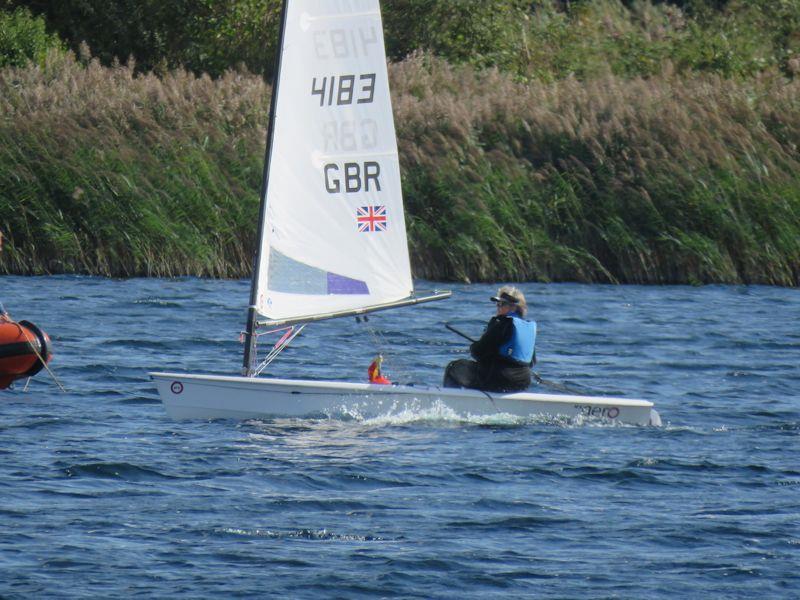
[
  {"x": 670, "y": 179},
  {"x": 106, "y": 172},
  {"x": 690, "y": 179}
]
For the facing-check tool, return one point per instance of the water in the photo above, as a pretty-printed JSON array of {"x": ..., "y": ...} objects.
[{"x": 103, "y": 496}]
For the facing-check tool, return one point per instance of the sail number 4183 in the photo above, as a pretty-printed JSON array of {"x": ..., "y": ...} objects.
[{"x": 341, "y": 90}]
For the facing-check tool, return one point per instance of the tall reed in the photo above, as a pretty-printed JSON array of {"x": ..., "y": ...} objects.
[
  {"x": 102, "y": 171},
  {"x": 670, "y": 179}
]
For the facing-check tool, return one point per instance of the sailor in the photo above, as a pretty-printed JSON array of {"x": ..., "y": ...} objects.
[{"x": 505, "y": 352}]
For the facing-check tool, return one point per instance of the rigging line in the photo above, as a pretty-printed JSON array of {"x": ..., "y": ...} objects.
[
  {"x": 380, "y": 342},
  {"x": 377, "y": 338},
  {"x": 276, "y": 349},
  {"x": 262, "y": 333},
  {"x": 489, "y": 396},
  {"x": 39, "y": 356},
  {"x": 290, "y": 334}
]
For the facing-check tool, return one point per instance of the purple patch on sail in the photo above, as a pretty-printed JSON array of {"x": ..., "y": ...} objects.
[{"x": 339, "y": 284}]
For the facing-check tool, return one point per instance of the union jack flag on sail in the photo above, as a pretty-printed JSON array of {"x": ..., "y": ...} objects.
[{"x": 371, "y": 218}]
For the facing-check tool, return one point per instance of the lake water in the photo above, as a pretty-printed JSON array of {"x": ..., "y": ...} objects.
[{"x": 101, "y": 495}]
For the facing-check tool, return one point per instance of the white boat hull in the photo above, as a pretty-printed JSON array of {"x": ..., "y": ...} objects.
[{"x": 187, "y": 396}]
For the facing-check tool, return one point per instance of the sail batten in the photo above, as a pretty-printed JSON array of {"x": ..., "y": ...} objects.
[{"x": 334, "y": 235}]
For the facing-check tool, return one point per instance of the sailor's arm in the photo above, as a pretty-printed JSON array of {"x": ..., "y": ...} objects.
[{"x": 497, "y": 332}]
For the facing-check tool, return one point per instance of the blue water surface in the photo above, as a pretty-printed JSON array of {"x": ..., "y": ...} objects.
[{"x": 101, "y": 495}]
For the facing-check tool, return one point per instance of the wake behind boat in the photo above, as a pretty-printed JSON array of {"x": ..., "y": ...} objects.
[{"x": 332, "y": 235}]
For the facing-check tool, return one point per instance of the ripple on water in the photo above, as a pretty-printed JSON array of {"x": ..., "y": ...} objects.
[
  {"x": 113, "y": 470},
  {"x": 416, "y": 504},
  {"x": 299, "y": 534}
]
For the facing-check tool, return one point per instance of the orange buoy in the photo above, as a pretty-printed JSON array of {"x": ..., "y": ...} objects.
[{"x": 24, "y": 350}]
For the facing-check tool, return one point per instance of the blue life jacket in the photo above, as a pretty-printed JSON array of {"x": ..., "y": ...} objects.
[{"x": 521, "y": 345}]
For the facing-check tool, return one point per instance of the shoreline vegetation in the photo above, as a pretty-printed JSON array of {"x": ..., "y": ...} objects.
[{"x": 660, "y": 173}]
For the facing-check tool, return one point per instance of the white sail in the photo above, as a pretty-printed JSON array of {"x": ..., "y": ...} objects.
[{"x": 334, "y": 235}]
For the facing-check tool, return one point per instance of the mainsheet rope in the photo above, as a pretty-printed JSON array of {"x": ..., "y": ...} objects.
[{"x": 380, "y": 344}]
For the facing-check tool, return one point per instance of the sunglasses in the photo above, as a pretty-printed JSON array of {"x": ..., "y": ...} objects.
[{"x": 501, "y": 303}]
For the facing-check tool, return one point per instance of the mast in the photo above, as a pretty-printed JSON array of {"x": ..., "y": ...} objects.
[{"x": 252, "y": 315}]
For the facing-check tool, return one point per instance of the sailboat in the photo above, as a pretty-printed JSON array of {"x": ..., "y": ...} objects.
[{"x": 332, "y": 236}]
